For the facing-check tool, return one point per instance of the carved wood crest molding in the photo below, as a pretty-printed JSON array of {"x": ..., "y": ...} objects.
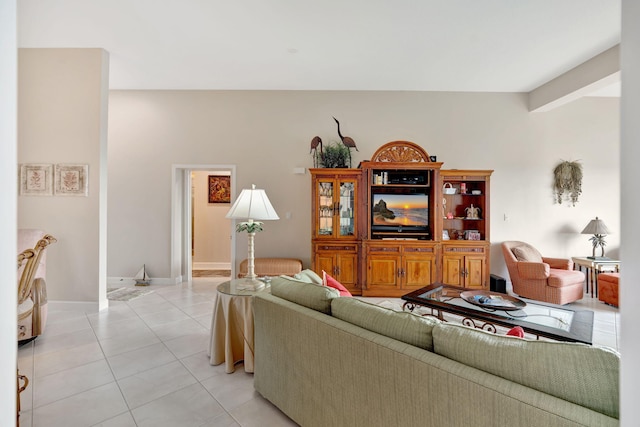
[{"x": 401, "y": 152}]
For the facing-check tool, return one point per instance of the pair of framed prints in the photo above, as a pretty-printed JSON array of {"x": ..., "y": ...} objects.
[{"x": 60, "y": 179}]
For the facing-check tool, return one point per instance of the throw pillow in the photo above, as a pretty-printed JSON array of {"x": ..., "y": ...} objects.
[
  {"x": 309, "y": 276},
  {"x": 527, "y": 254},
  {"x": 333, "y": 283},
  {"x": 516, "y": 331},
  {"x": 306, "y": 294}
]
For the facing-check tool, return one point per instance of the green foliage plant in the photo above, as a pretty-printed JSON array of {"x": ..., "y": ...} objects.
[{"x": 334, "y": 155}]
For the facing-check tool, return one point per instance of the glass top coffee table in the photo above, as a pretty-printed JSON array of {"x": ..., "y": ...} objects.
[{"x": 485, "y": 310}]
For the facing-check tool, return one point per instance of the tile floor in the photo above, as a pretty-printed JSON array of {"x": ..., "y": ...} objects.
[{"x": 144, "y": 363}]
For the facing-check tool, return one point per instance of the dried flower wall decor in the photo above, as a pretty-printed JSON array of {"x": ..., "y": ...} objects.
[
  {"x": 567, "y": 182},
  {"x": 72, "y": 180}
]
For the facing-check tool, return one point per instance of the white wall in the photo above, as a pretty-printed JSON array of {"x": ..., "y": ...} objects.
[
  {"x": 8, "y": 185},
  {"x": 212, "y": 243},
  {"x": 268, "y": 133},
  {"x": 62, "y": 119},
  {"x": 630, "y": 175}
]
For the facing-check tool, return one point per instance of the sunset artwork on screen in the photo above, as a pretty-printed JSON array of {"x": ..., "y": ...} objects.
[{"x": 400, "y": 209}]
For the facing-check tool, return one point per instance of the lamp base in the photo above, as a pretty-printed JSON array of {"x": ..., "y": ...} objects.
[
  {"x": 247, "y": 284},
  {"x": 599, "y": 258}
]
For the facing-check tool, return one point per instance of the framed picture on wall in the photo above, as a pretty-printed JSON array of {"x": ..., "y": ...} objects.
[
  {"x": 72, "y": 180},
  {"x": 36, "y": 180},
  {"x": 219, "y": 189}
]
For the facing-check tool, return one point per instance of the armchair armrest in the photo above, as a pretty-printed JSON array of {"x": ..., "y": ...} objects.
[
  {"x": 559, "y": 263},
  {"x": 533, "y": 270}
]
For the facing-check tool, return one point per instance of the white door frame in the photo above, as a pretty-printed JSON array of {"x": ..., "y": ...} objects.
[{"x": 181, "y": 258}]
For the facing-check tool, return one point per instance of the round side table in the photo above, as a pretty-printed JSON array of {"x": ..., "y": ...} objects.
[{"x": 232, "y": 326}]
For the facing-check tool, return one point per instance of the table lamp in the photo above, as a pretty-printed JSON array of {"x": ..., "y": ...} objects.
[
  {"x": 252, "y": 204},
  {"x": 599, "y": 230}
]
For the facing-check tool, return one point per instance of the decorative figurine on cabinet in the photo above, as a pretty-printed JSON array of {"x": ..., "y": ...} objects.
[{"x": 472, "y": 212}]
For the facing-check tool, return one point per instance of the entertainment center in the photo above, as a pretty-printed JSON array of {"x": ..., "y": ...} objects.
[{"x": 399, "y": 222}]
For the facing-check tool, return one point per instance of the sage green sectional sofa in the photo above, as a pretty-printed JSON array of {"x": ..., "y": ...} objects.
[{"x": 326, "y": 360}]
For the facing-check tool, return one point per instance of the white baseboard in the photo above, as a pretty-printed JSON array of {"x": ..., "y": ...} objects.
[
  {"x": 212, "y": 266},
  {"x": 83, "y": 306},
  {"x": 128, "y": 281}
]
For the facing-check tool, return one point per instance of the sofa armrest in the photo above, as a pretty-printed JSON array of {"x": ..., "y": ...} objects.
[
  {"x": 559, "y": 263},
  {"x": 533, "y": 270}
]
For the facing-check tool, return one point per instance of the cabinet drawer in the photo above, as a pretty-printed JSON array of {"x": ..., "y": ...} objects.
[
  {"x": 419, "y": 249},
  {"x": 336, "y": 247},
  {"x": 462, "y": 250},
  {"x": 384, "y": 249}
]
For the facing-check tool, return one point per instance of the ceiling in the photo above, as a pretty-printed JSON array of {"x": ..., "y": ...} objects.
[{"x": 405, "y": 45}]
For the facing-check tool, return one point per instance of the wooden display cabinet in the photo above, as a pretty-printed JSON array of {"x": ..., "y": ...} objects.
[
  {"x": 465, "y": 219},
  {"x": 335, "y": 205},
  {"x": 380, "y": 229}
]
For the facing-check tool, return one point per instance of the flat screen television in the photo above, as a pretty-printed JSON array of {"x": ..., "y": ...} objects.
[{"x": 400, "y": 213}]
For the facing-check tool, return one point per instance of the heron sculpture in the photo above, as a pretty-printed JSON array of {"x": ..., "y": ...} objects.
[
  {"x": 315, "y": 142},
  {"x": 346, "y": 140}
]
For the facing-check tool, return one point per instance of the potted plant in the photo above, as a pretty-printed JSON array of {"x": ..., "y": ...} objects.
[{"x": 334, "y": 156}]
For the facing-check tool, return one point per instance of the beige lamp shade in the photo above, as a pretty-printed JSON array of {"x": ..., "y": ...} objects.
[
  {"x": 598, "y": 230},
  {"x": 596, "y": 226}
]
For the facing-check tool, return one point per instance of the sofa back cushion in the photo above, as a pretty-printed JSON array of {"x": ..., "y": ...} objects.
[
  {"x": 578, "y": 373},
  {"x": 306, "y": 294},
  {"x": 402, "y": 326}
]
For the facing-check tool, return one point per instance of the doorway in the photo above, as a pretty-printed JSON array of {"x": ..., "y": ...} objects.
[{"x": 189, "y": 238}]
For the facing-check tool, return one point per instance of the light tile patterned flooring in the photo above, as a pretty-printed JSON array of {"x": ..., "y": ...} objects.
[{"x": 144, "y": 363}]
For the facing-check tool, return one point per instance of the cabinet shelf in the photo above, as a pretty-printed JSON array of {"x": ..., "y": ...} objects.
[{"x": 400, "y": 185}]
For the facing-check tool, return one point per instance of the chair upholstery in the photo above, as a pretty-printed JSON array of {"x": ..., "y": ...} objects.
[
  {"x": 608, "y": 288},
  {"x": 32, "y": 291},
  {"x": 272, "y": 267},
  {"x": 545, "y": 279}
]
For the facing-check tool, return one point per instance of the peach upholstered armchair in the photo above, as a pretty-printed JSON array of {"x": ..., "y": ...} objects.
[
  {"x": 540, "y": 278},
  {"x": 32, "y": 291}
]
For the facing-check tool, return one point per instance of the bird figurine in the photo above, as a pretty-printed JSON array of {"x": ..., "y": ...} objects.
[
  {"x": 346, "y": 140},
  {"x": 315, "y": 142}
]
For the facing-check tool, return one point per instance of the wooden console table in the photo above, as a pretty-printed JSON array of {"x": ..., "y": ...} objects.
[{"x": 594, "y": 267}]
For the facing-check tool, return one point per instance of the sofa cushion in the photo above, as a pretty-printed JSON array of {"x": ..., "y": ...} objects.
[
  {"x": 309, "y": 276},
  {"x": 402, "y": 326},
  {"x": 578, "y": 373},
  {"x": 327, "y": 280},
  {"x": 527, "y": 253},
  {"x": 306, "y": 294}
]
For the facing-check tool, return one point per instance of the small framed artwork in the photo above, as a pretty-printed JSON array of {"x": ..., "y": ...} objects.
[
  {"x": 433, "y": 158},
  {"x": 219, "y": 189},
  {"x": 473, "y": 235},
  {"x": 36, "y": 180},
  {"x": 72, "y": 180}
]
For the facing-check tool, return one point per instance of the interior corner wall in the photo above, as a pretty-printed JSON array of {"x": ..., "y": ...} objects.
[
  {"x": 267, "y": 135},
  {"x": 62, "y": 105},
  {"x": 8, "y": 205},
  {"x": 212, "y": 243}
]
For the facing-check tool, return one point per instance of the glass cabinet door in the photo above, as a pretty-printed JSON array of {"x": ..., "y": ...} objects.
[
  {"x": 346, "y": 208},
  {"x": 325, "y": 208}
]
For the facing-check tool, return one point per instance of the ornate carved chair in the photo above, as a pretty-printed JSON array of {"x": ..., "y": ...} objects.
[
  {"x": 32, "y": 291},
  {"x": 540, "y": 278}
]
